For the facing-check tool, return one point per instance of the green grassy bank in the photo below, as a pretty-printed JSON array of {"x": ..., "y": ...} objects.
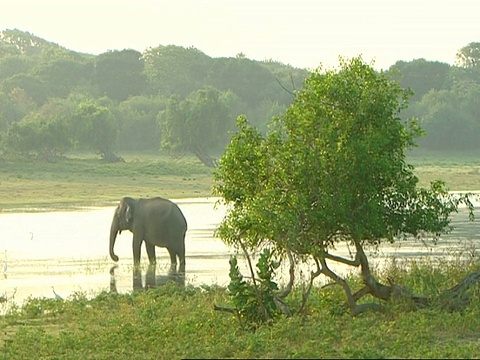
[
  {"x": 79, "y": 181},
  {"x": 173, "y": 323},
  {"x": 83, "y": 180}
]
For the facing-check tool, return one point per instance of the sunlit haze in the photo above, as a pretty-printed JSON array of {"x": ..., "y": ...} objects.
[{"x": 302, "y": 33}]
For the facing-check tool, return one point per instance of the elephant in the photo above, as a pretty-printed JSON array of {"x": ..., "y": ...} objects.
[{"x": 155, "y": 221}]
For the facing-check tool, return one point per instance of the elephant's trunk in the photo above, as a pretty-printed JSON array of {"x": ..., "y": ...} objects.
[{"x": 113, "y": 237}]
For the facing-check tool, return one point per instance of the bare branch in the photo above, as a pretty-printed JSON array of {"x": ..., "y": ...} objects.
[
  {"x": 284, "y": 88},
  {"x": 355, "y": 262},
  {"x": 306, "y": 294},
  {"x": 289, "y": 287},
  {"x": 278, "y": 299}
]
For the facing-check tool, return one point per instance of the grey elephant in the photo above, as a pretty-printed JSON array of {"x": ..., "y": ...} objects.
[{"x": 155, "y": 221}]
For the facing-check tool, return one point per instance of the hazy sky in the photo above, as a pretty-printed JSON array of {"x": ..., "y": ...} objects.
[{"x": 303, "y": 33}]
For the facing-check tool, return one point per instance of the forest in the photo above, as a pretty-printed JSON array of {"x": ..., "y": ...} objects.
[{"x": 181, "y": 101}]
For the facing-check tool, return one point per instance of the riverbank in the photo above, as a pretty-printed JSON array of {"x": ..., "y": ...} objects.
[
  {"x": 173, "y": 323},
  {"x": 82, "y": 180}
]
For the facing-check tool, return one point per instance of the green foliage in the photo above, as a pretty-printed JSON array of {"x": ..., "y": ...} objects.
[
  {"x": 34, "y": 72},
  {"x": 254, "y": 300},
  {"x": 139, "y": 128},
  {"x": 119, "y": 74},
  {"x": 450, "y": 115},
  {"x": 96, "y": 128},
  {"x": 173, "y": 70},
  {"x": 45, "y": 138},
  {"x": 196, "y": 124},
  {"x": 62, "y": 75},
  {"x": 469, "y": 56},
  {"x": 421, "y": 76},
  {"x": 331, "y": 170}
]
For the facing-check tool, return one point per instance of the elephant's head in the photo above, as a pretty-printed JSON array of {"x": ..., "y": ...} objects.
[{"x": 122, "y": 220}]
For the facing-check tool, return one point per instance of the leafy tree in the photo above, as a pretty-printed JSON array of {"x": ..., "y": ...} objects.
[
  {"x": 421, "y": 76},
  {"x": 45, "y": 134},
  {"x": 22, "y": 42},
  {"x": 332, "y": 170},
  {"x": 31, "y": 85},
  {"x": 96, "y": 129},
  {"x": 469, "y": 56},
  {"x": 197, "y": 124},
  {"x": 13, "y": 65},
  {"x": 246, "y": 78},
  {"x": 287, "y": 81},
  {"x": 174, "y": 70},
  {"x": 9, "y": 112},
  {"x": 139, "y": 128},
  {"x": 119, "y": 74},
  {"x": 62, "y": 75},
  {"x": 451, "y": 116}
]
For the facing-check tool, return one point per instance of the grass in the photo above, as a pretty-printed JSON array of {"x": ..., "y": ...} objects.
[
  {"x": 171, "y": 323},
  {"x": 461, "y": 172},
  {"x": 82, "y": 180},
  {"x": 79, "y": 181}
]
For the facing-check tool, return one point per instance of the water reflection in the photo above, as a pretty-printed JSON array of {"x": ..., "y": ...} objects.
[{"x": 152, "y": 280}]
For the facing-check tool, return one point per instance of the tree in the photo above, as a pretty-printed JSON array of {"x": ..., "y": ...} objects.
[
  {"x": 96, "y": 129},
  {"x": 45, "y": 133},
  {"x": 119, "y": 74},
  {"x": 32, "y": 86},
  {"x": 62, "y": 75},
  {"x": 197, "y": 124},
  {"x": 332, "y": 170},
  {"x": 469, "y": 56},
  {"x": 174, "y": 70},
  {"x": 421, "y": 76},
  {"x": 450, "y": 117},
  {"x": 138, "y": 123}
]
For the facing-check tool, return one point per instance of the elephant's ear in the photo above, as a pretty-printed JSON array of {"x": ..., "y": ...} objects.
[{"x": 128, "y": 214}]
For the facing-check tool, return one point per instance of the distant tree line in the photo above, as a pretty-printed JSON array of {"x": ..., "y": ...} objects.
[
  {"x": 179, "y": 100},
  {"x": 446, "y": 99}
]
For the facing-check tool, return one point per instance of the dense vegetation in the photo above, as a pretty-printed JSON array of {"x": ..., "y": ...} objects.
[
  {"x": 331, "y": 170},
  {"x": 53, "y": 100}
]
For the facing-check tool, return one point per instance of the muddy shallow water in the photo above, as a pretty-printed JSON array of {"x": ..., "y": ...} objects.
[{"x": 68, "y": 251}]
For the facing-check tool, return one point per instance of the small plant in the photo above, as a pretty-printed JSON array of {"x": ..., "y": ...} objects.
[{"x": 254, "y": 300}]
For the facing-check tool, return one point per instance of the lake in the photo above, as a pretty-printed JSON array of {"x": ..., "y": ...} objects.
[{"x": 68, "y": 250}]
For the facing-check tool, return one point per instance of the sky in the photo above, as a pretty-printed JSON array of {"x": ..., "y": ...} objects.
[{"x": 301, "y": 33}]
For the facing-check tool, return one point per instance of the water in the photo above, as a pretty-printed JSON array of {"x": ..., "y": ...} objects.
[{"x": 68, "y": 251}]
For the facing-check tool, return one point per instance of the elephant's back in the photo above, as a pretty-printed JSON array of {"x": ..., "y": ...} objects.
[{"x": 166, "y": 211}]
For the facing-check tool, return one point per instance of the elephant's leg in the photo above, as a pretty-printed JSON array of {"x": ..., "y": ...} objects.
[
  {"x": 137, "y": 278},
  {"x": 136, "y": 247},
  {"x": 150, "y": 280},
  {"x": 173, "y": 260},
  {"x": 181, "y": 256},
  {"x": 151, "y": 253}
]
